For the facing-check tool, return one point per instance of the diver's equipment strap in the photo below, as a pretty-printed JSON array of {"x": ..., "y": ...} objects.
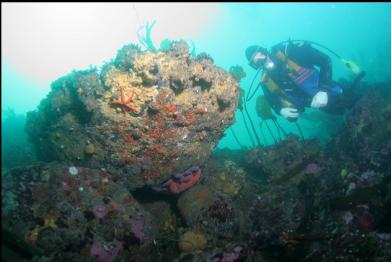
[
  {"x": 275, "y": 89},
  {"x": 292, "y": 65},
  {"x": 306, "y": 79}
]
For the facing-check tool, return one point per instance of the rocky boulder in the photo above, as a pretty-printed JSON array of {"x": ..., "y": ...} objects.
[{"x": 143, "y": 116}]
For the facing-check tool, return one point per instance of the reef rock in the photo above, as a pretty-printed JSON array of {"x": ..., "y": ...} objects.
[
  {"x": 147, "y": 114},
  {"x": 365, "y": 137},
  {"x": 284, "y": 160},
  {"x": 62, "y": 212}
]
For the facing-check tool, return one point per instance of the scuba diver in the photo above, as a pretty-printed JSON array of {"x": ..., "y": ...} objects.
[{"x": 291, "y": 80}]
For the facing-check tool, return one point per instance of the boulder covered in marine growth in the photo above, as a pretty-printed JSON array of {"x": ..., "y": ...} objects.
[
  {"x": 73, "y": 213},
  {"x": 144, "y": 116}
]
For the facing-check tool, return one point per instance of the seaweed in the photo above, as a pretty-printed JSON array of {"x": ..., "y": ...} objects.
[{"x": 146, "y": 40}]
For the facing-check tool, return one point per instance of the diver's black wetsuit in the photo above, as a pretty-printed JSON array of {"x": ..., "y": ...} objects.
[{"x": 306, "y": 56}]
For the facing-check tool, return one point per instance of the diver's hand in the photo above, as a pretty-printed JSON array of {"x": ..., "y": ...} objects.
[
  {"x": 320, "y": 99},
  {"x": 289, "y": 112}
]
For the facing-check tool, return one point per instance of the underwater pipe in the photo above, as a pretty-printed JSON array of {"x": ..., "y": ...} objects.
[
  {"x": 252, "y": 125},
  {"x": 236, "y": 138},
  {"x": 248, "y": 131},
  {"x": 301, "y": 132}
]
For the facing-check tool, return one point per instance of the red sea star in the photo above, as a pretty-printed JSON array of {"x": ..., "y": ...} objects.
[
  {"x": 123, "y": 102},
  {"x": 180, "y": 182}
]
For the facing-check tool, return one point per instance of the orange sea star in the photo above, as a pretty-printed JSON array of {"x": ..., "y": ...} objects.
[{"x": 124, "y": 102}]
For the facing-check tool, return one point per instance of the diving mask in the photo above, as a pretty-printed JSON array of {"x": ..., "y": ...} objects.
[{"x": 261, "y": 60}]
